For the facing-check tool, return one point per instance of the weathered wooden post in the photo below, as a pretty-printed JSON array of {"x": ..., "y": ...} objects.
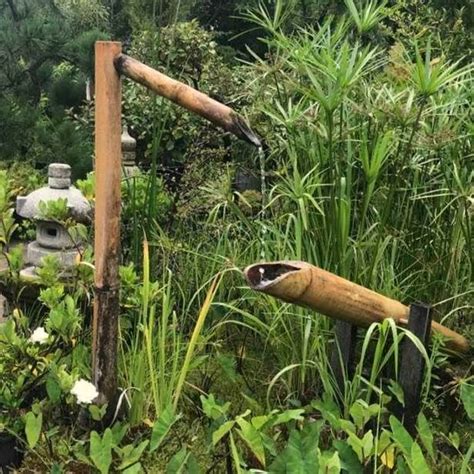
[
  {"x": 109, "y": 64},
  {"x": 343, "y": 352},
  {"x": 412, "y": 366},
  {"x": 108, "y": 99}
]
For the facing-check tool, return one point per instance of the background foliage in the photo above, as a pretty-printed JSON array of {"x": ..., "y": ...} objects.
[{"x": 365, "y": 111}]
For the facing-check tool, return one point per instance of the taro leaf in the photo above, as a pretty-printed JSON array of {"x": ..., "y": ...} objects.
[
  {"x": 261, "y": 421},
  {"x": 162, "y": 427},
  {"x": 98, "y": 412},
  {"x": 183, "y": 462},
  {"x": 356, "y": 444},
  {"x": 467, "y": 398},
  {"x": 135, "y": 469},
  {"x": 53, "y": 389},
  {"x": 330, "y": 463},
  {"x": 418, "y": 463},
  {"x": 101, "y": 450},
  {"x": 329, "y": 410},
  {"x": 212, "y": 408},
  {"x": 455, "y": 439},
  {"x": 402, "y": 466},
  {"x": 397, "y": 391},
  {"x": 133, "y": 455},
  {"x": 33, "y": 428},
  {"x": 56, "y": 469},
  {"x": 289, "y": 415},
  {"x": 401, "y": 436},
  {"x": 228, "y": 364},
  {"x": 177, "y": 463},
  {"x": 349, "y": 461},
  {"x": 299, "y": 457},
  {"x": 359, "y": 412},
  {"x": 368, "y": 444},
  {"x": 252, "y": 439},
  {"x": 222, "y": 431},
  {"x": 119, "y": 430},
  {"x": 235, "y": 455},
  {"x": 426, "y": 436},
  {"x": 388, "y": 456}
]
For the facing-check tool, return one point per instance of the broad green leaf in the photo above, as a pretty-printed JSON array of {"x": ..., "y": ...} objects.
[
  {"x": 426, "y": 436},
  {"x": 183, "y": 462},
  {"x": 368, "y": 444},
  {"x": 235, "y": 455},
  {"x": 212, "y": 408},
  {"x": 455, "y": 439},
  {"x": 401, "y": 436},
  {"x": 348, "y": 457},
  {"x": 33, "y": 425},
  {"x": 252, "y": 439},
  {"x": 329, "y": 463},
  {"x": 98, "y": 412},
  {"x": 388, "y": 457},
  {"x": 258, "y": 422},
  {"x": 397, "y": 391},
  {"x": 347, "y": 426},
  {"x": 299, "y": 457},
  {"x": 56, "y": 469},
  {"x": 162, "y": 427},
  {"x": 53, "y": 389},
  {"x": 356, "y": 444},
  {"x": 330, "y": 412},
  {"x": 119, "y": 430},
  {"x": 135, "y": 469},
  {"x": 101, "y": 450},
  {"x": 177, "y": 463},
  {"x": 222, "y": 431},
  {"x": 134, "y": 455},
  {"x": 359, "y": 413},
  {"x": 417, "y": 462},
  {"x": 289, "y": 415},
  {"x": 467, "y": 398}
]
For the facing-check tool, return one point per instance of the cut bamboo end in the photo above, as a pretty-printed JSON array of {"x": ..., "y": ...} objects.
[
  {"x": 306, "y": 285},
  {"x": 187, "y": 97}
]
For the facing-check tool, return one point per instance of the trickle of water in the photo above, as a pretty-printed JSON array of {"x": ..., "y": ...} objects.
[{"x": 263, "y": 191}]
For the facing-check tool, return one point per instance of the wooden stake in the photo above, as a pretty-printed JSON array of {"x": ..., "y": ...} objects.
[
  {"x": 343, "y": 353},
  {"x": 108, "y": 98},
  {"x": 412, "y": 366}
]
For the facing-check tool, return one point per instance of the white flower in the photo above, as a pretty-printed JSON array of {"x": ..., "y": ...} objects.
[
  {"x": 84, "y": 391},
  {"x": 39, "y": 335}
]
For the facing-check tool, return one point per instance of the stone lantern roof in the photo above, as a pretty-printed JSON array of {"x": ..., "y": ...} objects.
[{"x": 59, "y": 186}]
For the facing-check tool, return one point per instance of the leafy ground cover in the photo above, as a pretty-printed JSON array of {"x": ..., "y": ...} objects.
[{"x": 367, "y": 172}]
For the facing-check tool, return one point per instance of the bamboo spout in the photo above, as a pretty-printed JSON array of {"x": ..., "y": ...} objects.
[
  {"x": 187, "y": 97},
  {"x": 306, "y": 285}
]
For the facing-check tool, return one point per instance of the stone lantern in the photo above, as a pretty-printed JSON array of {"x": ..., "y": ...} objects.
[
  {"x": 129, "y": 145},
  {"x": 51, "y": 237}
]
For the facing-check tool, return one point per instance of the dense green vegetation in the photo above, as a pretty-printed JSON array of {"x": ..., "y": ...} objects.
[{"x": 365, "y": 112}]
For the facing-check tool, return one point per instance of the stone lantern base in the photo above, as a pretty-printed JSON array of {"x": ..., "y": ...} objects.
[{"x": 35, "y": 252}]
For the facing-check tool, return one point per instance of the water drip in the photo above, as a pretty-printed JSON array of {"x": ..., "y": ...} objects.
[{"x": 263, "y": 191}]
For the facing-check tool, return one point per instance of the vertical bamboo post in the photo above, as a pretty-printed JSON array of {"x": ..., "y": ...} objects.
[{"x": 108, "y": 98}]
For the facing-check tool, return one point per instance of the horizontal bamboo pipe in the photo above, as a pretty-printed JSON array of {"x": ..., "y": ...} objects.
[
  {"x": 329, "y": 294},
  {"x": 187, "y": 97}
]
